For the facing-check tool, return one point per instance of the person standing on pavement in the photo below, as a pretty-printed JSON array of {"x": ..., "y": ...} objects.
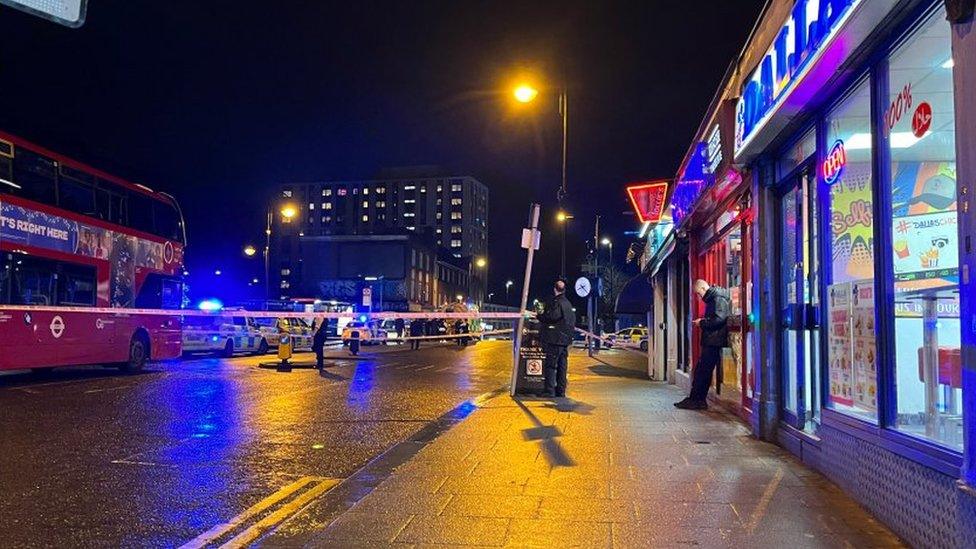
[
  {"x": 558, "y": 321},
  {"x": 318, "y": 343},
  {"x": 714, "y": 337},
  {"x": 416, "y": 330},
  {"x": 399, "y": 324}
]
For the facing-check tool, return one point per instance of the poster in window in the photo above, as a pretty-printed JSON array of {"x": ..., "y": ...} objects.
[
  {"x": 924, "y": 229},
  {"x": 840, "y": 343},
  {"x": 865, "y": 351}
]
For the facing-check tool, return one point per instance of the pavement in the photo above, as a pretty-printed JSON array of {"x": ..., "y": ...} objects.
[
  {"x": 395, "y": 448},
  {"x": 614, "y": 465}
]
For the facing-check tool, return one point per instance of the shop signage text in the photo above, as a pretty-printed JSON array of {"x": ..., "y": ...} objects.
[
  {"x": 648, "y": 200},
  {"x": 799, "y": 40},
  {"x": 833, "y": 165},
  {"x": 713, "y": 150}
]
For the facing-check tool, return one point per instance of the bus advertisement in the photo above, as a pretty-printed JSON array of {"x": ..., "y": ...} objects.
[{"x": 73, "y": 237}]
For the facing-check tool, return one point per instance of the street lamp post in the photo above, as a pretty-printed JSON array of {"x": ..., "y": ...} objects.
[
  {"x": 563, "y": 218},
  {"x": 526, "y": 93},
  {"x": 508, "y": 287},
  {"x": 608, "y": 243},
  {"x": 482, "y": 264},
  {"x": 287, "y": 213}
]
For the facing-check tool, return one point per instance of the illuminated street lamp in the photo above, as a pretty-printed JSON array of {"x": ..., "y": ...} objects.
[
  {"x": 249, "y": 250},
  {"x": 608, "y": 243},
  {"x": 287, "y": 211},
  {"x": 526, "y": 93},
  {"x": 508, "y": 286}
]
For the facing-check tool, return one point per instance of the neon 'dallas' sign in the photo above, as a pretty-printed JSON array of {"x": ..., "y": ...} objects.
[{"x": 798, "y": 43}]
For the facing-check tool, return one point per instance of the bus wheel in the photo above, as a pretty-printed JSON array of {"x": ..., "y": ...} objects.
[
  {"x": 138, "y": 354},
  {"x": 228, "y": 349},
  {"x": 263, "y": 347}
]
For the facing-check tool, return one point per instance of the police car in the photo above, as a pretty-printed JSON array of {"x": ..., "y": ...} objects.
[
  {"x": 299, "y": 330},
  {"x": 223, "y": 335}
]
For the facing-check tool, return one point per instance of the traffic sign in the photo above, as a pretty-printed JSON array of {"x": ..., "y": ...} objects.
[
  {"x": 367, "y": 296},
  {"x": 70, "y": 13},
  {"x": 582, "y": 286}
]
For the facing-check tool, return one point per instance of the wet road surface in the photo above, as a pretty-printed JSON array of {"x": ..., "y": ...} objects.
[{"x": 94, "y": 458}]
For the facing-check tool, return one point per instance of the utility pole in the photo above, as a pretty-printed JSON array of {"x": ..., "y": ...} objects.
[{"x": 530, "y": 237}]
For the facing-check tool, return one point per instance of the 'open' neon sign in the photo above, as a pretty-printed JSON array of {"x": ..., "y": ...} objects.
[{"x": 833, "y": 165}]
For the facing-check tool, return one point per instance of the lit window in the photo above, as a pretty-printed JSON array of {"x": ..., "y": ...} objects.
[
  {"x": 311, "y": 206},
  {"x": 423, "y": 189},
  {"x": 411, "y": 228},
  {"x": 410, "y": 187},
  {"x": 440, "y": 188},
  {"x": 326, "y": 192},
  {"x": 440, "y": 215},
  {"x": 456, "y": 188},
  {"x": 341, "y": 192},
  {"x": 285, "y": 284},
  {"x": 325, "y": 219},
  {"x": 439, "y": 230},
  {"x": 409, "y": 214},
  {"x": 455, "y": 215},
  {"x": 410, "y": 201},
  {"x": 365, "y": 218},
  {"x": 365, "y": 190},
  {"x": 286, "y": 194},
  {"x": 381, "y": 204},
  {"x": 285, "y": 272},
  {"x": 381, "y": 190},
  {"x": 327, "y": 205},
  {"x": 455, "y": 243},
  {"x": 455, "y": 202},
  {"x": 355, "y": 190},
  {"x": 455, "y": 229},
  {"x": 365, "y": 203}
]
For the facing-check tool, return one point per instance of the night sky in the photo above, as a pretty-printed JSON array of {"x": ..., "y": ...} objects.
[{"x": 218, "y": 104}]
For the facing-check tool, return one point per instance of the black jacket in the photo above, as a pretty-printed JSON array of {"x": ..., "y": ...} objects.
[
  {"x": 558, "y": 322},
  {"x": 714, "y": 325}
]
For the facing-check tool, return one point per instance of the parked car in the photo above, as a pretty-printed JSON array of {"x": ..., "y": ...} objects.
[
  {"x": 636, "y": 336},
  {"x": 370, "y": 333},
  {"x": 223, "y": 335}
]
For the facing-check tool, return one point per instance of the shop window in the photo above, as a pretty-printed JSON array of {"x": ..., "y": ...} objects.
[
  {"x": 920, "y": 127},
  {"x": 846, "y": 170},
  {"x": 798, "y": 153}
]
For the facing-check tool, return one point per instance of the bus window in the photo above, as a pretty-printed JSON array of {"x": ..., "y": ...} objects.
[
  {"x": 160, "y": 292},
  {"x": 172, "y": 294},
  {"x": 140, "y": 212},
  {"x": 76, "y": 196},
  {"x": 32, "y": 281},
  {"x": 167, "y": 221},
  {"x": 36, "y": 176},
  {"x": 76, "y": 286}
]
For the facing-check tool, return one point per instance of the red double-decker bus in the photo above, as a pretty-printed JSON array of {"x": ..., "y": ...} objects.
[{"x": 78, "y": 248}]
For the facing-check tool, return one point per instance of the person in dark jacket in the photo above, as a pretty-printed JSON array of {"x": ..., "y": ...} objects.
[
  {"x": 399, "y": 324},
  {"x": 318, "y": 342},
  {"x": 558, "y": 322},
  {"x": 714, "y": 337},
  {"x": 416, "y": 330}
]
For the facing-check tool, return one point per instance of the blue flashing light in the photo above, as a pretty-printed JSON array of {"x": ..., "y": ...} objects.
[
  {"x": 362, "y": 318},
  {"x": 210, "y": 305},
  {"x": 215, "y": 339}
]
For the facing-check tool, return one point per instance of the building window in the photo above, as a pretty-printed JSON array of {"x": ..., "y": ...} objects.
[
  {"x": 455, "y": 243},
  {"x": 285, "y": 285},
  {"x": 455, "y": 215},
  {"x": 920, "y": 127},
  {"x": 456, "y": 187},
  {"x": 410, "y": 187},
  {"x": 851, "y": 355},
  {"x": 440, "y": 188},
  {"x": 455, "y": 202},
  {"x": 285, "y": 272},
  {"x": 365, "y": 203},
  {"x": 326, "y": 192},
  {"x": 365, "y": 190},
  {"x": 411, "y": 228},
  {"x": 409, "y": 201},
  {"x": 455, "y": 229},
  {"x": 381, "y": 190},
  {"x": 365, "y": 218},
  {"x": 286, "y": 193},
  {"x": 409, "y": 214},
  {"x": 381, "y": 204},
  {"x": 439, "y": 215},
  {"x": 311, "y": 206},
  {"x": 341, "y": 192}
]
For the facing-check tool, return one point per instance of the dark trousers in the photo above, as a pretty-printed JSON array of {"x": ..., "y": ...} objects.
[
  {"x": 554, "y": 369},
  {"x": 319, "y": 358},
  {"x": 702, "y": 375},
  {"x": 415, "y": 344}
]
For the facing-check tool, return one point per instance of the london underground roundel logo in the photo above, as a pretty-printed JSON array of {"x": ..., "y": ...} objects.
[{"x": 833, "y": 165}]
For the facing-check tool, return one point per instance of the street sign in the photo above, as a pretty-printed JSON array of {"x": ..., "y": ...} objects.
[
  {"x": 531, "y": 238},
  {"x": 70, "y": 13},
  {"x": 648, "y": 200},
  {"x": 582, "y": 286},
  {"x": 367, "y": 296}
]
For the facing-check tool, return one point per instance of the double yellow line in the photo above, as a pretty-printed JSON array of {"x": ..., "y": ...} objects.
[{"x": 319, "y": 485}]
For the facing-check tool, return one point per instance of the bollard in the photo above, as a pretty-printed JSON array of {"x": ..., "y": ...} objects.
[{"x": 284, "y": 353}]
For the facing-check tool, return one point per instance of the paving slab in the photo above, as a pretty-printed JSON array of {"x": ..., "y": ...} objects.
[{"x": 613, "y": 465}]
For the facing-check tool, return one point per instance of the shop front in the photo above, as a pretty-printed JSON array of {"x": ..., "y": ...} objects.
[{"x": 852, "y": 222}]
